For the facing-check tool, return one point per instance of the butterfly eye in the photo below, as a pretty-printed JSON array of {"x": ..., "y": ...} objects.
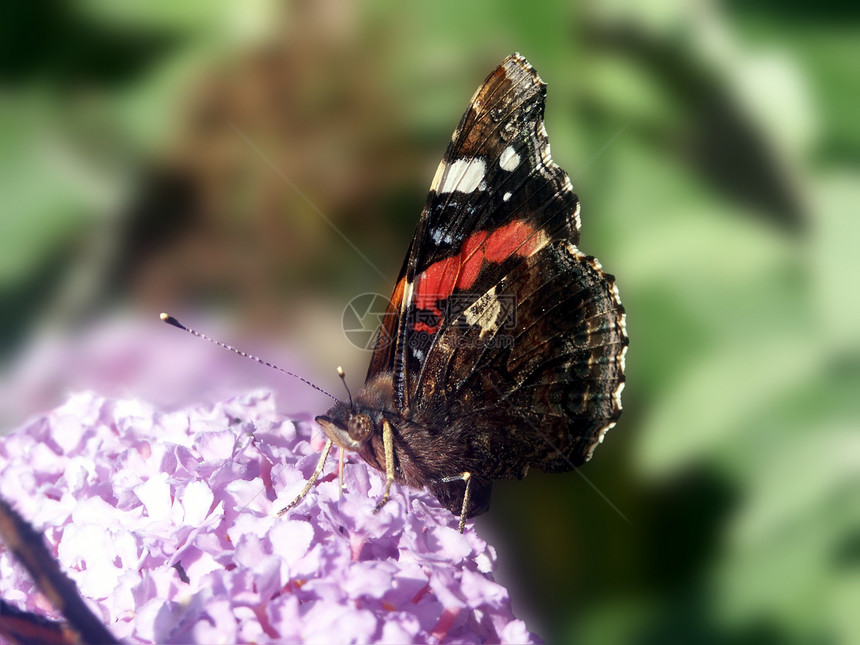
[{"x": 359, "y": 427}]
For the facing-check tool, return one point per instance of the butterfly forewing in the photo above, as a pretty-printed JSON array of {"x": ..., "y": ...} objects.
[{"x": 496, "y": 199}]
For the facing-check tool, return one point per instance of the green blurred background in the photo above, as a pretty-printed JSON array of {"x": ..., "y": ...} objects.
[{"x": 165, "y": 155}]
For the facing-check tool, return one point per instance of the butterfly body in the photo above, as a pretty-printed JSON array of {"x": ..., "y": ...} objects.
[{"x": 503, "y": 345}]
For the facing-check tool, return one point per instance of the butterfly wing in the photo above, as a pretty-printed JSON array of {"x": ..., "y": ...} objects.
[
  {"x": 530, "y": 375},
  {"x": 496, "y": 199},
  {"x": 532, "y": 372}
]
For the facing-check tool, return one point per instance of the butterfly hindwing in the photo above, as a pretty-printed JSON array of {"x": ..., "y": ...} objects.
[{"x": 533, "y": 370}]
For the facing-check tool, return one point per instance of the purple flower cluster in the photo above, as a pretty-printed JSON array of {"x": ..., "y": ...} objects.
[{"x": 165, "y": 520}]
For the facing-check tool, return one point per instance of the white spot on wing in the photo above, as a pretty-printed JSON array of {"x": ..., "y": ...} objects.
[
  {"x": 616, "y": 395},
  {"x": 577, "y": 223},
  {"x": 509, "y": 159},
  {"x": 440, "y": 171},
  {"x": 407, "y": 296},
  {"x": 575, "y": 252},
  {"x": 605, "y": 430},
  {"x": 506, "y": 197},
  {"x": 600, "y": 434},
  {"x": 463, "y": 176},
  {"x": 439, "y": 236},
  {"x": 485, "y": 313}
]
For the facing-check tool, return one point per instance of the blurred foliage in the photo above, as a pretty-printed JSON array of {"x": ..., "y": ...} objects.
[{"x": 150, "y": 153}]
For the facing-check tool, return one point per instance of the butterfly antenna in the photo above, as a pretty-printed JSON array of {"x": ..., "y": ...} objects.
[
  {"x": 342, "y": 376},
  {"x": 170, "y": 320}
]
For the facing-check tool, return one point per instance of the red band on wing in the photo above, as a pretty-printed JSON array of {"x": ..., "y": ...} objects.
[
  {"x": 518, "y": 237},
  {"x": 461, "y": 271}
]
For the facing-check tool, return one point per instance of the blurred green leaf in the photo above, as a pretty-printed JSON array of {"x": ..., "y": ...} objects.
[
  {"x": 48, "y": 201},
  {"x": 836, "y": 270}
]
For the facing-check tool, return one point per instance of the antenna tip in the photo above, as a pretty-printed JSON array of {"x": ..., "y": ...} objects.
[
  {"x": 340, "y": 371},
  {"x": 170, "y": 320}
]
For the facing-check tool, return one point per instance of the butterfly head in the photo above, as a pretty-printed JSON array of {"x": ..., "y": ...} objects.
[
  {"x": 346, "y": 426},
  {"x": 352, "y": 424}
]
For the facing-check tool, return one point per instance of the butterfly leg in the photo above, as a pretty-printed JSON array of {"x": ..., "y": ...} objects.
[
  {"x": 467, "y": 496},
  {"x": 467, "y": 499},
  {"x": 309, "y": 484},
  {"x": 388, "y": 445},
  {"x": 340, "y": 470}
]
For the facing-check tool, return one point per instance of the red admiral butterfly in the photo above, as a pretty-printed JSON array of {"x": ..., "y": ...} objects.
[{"x": 503, "y": 345}]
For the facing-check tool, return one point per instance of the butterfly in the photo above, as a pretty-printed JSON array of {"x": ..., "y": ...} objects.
[{"x": 503, "y": 346}]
